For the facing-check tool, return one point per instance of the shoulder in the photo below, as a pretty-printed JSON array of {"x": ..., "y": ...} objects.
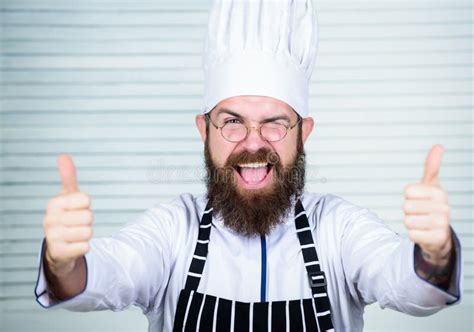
[
  {"x": 333, "y": 211},
  {"x": 184, "y": 208},
  {"x": 340, "y": 223},
  {"x": 329, "y": 204},
  {"x": 180, "y": 210},
  {"x": 167, "y": 225},
  {"x": 179, "y": 219}
]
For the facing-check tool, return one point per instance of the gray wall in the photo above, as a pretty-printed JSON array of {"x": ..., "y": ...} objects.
[{"x": 117, "y": 84}]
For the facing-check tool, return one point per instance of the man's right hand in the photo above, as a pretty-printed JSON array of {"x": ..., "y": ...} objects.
[{"x": 67, "y": 224}]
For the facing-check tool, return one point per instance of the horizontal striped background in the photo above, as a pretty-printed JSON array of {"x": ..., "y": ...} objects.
[{"x": 117, "y": 85}]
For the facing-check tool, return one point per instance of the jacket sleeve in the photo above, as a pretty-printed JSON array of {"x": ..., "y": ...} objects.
[
  {"x": 130, "y": 268},
  {"x": 379, "y": 267}
]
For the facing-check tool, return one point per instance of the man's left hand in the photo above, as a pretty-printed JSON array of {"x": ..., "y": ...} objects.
[{"x": 427, "y": 212}]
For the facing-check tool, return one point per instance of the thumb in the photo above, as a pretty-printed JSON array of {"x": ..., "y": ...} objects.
[
  {"x": 67, "y": 171},
  {"x": 432, "y": 165}
]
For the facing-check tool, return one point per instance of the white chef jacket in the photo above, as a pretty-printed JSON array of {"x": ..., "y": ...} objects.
[{"x": 146, "y": 263}]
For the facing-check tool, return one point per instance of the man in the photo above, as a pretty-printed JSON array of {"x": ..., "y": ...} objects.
[{"x": 257, "y": 252}]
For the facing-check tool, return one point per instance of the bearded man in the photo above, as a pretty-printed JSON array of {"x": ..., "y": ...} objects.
[{"x": 257, "y": 252}]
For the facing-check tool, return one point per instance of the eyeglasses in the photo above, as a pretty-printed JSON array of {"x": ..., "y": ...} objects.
[{"x": 235, "y": 131}]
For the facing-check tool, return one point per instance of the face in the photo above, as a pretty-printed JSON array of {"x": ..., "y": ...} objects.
[{"x": 248, "y": 180}]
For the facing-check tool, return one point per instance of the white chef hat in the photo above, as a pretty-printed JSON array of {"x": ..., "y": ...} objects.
[{"x": 260, "y": 47}]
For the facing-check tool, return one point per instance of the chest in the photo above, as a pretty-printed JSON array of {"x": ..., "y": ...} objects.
[{"x": 235, "y": 267}]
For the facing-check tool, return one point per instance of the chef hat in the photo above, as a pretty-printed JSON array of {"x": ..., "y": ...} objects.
[{"x": 260, "y": 47}]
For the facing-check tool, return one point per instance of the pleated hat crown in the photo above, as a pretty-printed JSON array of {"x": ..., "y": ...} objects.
[{"x": 260, "y": 48}]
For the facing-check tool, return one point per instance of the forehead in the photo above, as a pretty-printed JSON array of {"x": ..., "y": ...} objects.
[{"x": 255, "y": 107}]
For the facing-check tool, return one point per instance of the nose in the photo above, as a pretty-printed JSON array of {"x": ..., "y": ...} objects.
[{"x": 254, "y": 142}]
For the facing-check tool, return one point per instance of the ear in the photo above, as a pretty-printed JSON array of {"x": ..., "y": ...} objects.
[
  {"x": 201, "y": 126},
  {"x": 308, "y": 124}
]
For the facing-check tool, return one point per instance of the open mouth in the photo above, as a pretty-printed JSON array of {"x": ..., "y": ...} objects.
[{"x": 253, "y": 173}]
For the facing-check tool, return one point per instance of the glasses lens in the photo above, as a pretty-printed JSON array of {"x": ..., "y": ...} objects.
[
  {"x": 234, "y": 132},
  {"x": 273, "y": 132}
]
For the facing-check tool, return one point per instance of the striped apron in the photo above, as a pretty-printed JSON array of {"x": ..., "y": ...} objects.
[{"x": 203, "y": 312}]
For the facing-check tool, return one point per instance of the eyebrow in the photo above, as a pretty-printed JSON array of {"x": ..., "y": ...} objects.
[
  {"x": 228, "y": 111},
  {"x": 274, "y": 118}
]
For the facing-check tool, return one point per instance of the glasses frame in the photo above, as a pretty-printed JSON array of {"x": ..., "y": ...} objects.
[{"x": 258, "y": 128}]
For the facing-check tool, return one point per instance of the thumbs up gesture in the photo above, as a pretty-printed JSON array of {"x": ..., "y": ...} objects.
[
  {"x": 427, "y": 212},
  {"x": 67, "y": 223}
]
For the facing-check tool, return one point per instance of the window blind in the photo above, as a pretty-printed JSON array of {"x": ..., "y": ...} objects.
[{"x": 117, "y": 84}]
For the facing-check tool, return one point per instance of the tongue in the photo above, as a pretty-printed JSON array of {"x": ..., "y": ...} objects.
[{"x": 253, "y": 175}]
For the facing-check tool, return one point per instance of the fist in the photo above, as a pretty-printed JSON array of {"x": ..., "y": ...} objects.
[
  {"x": 427, "y": 211},
  {"x": 67, "y": 222}
]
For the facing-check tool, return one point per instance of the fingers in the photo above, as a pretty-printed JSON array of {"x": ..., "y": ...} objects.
[
  {"x": 70, "y": 234},
  {"x": 77, "y": 218},
  {"x": 425, "y": 199},
  {"x": 68, "y": 251},
  {"x": 72, "y": 201},
  {"x": 423, "y": 191},
  {"x": 67, "y": 172},
  {"x": 433, "y": 165},
  {"x": 425, "y": 207},
  {"x": 67, "y": 235},
  {"x": 425, "y": 221},
  {"x": 70, "y": 218}
]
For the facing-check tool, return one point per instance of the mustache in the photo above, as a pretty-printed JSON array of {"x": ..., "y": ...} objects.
[{"x": 263, "y": 155}]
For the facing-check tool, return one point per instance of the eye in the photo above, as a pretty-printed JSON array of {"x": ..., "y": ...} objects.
[
  {"x": 272, "y": 124},
  {"x": 233, "y": 121}
]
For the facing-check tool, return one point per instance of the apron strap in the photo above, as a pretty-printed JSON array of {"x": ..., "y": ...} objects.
[
  {"x": 200, "y": 253},
  {"x": 316, "y": 277}
]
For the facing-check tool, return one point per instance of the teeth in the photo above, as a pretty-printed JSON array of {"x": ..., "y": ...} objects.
[{"x": 253, "y": 165}]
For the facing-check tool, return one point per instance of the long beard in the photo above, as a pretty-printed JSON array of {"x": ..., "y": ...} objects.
[{"x": 254, "y": 212}]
